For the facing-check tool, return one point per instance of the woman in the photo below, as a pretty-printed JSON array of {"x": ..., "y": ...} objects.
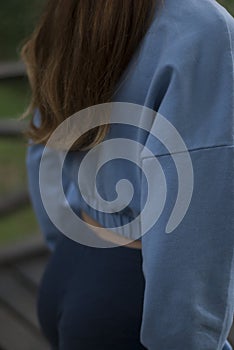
[{"x": 162, "y": 291}]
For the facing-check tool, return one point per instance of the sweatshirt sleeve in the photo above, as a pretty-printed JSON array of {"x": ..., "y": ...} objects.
[
  {"x": 189, "y": 272},
  {"x": 33, "y": 158}
]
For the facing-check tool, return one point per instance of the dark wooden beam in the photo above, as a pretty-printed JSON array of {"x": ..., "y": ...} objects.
[
  {"x": 12, "y": 70},
  {"x": 12, "y": 128},
  {"x": 30, "y": 248},
  {"x": 13, "y": 202}
]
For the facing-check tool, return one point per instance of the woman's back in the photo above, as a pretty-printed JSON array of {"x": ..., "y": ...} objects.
[{"x": 183, "y": 69}]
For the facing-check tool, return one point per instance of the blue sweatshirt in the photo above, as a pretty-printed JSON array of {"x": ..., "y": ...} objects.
[{"x": 183, "y": 69}]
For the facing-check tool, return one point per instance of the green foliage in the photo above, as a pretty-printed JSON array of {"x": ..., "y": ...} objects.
[
  {"x": 17, "y": 19},
  {"x": 18, "y": 226},
  {"x": 229, "y": 4},
  {"x": 14, "y": 95}
]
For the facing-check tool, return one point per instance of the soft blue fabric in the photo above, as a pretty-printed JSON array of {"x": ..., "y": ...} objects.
[
  {"x": 184, "y": 70},
  {"x": 227, "y": 346}
]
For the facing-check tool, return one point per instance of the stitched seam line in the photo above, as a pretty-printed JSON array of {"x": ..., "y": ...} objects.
[{"x": 189, "y": 151}]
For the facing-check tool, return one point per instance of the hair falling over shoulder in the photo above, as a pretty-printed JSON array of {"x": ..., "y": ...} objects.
[{"x": 75, "y": 56}]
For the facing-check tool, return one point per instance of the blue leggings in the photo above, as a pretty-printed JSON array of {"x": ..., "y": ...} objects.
[{"x": 92, "y": 298}]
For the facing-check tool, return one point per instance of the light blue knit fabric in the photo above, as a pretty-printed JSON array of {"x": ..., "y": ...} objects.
[{"x": 184, "y": 70}]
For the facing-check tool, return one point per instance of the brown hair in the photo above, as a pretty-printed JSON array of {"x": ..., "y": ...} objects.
[{"x": 76, "y": 55}]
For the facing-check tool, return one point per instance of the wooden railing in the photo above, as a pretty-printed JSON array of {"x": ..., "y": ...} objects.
[
  {"x": 16, "y": 200},
  {"x": 21, "y": 263},
  {"x": 12, "y": 129},
  {"x": 12, "y": 70}
]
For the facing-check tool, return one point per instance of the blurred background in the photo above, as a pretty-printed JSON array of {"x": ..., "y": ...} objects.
[
  {"x": 22, "y": 253},
  {"x": 17, "y": 220}
]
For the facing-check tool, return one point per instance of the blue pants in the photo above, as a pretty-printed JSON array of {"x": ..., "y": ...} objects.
[{"x": 92, "y": 299}]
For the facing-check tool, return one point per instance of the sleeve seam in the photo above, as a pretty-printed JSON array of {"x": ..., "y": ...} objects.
[{"x": 188, "y": 151}]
